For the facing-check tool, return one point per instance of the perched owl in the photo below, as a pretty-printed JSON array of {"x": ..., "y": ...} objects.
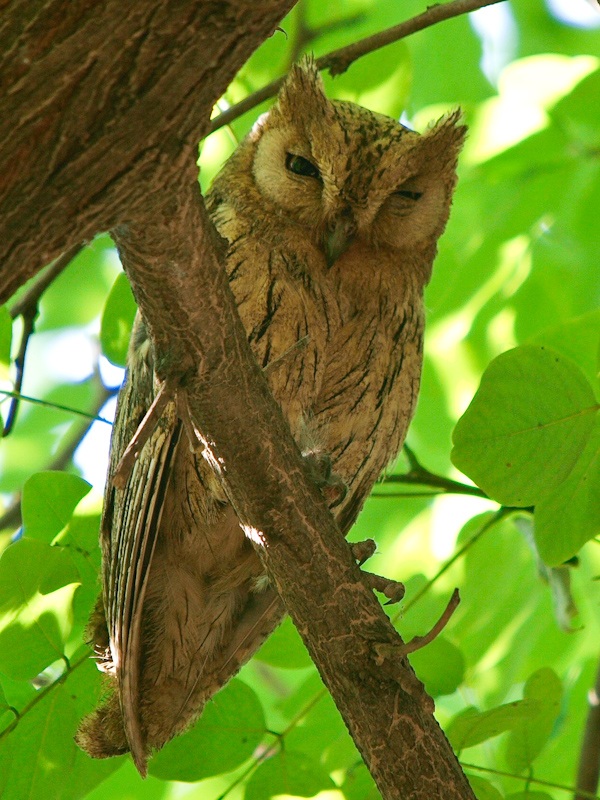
[{"x": 332, "y": 215}]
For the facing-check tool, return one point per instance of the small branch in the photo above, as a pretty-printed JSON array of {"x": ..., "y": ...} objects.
[
  {"x": 60, "y": 407},
  {"x": 29, "y": 315},
  {"x": 589, "y": 758},
  {"x": 419, "y": 475},
  {"x": 305, "y": 35},
  {"x": 339, "y": 60},
  {"x": 417, "y": 642}
]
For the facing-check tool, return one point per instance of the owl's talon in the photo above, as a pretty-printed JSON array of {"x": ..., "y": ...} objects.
[
  {"x": 362, "y": 551},
  {"x": 393, "y": 590},
  {"x": 333, "y": 487}
]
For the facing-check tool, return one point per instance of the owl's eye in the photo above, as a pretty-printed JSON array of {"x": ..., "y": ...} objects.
[
  {"x": 408, "y": 194},
  {"x": 301, "y": 166}
]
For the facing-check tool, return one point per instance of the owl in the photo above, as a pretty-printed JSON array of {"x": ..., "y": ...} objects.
[{"x": 331, "y": 214}]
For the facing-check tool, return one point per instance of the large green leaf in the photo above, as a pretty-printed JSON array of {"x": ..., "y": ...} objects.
[
  {"x": 37, "y": 583},
  {"x": 49, "y": 499},
  {"x": 527, "y": 425},
  {"x": 229, "y": 730},
  {"x": 40, "y": 758}
]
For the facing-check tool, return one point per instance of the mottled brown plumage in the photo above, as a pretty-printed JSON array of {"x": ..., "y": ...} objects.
[{"x": 332, "y": 214}]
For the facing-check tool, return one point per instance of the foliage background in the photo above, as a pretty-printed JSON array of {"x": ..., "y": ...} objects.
[{"x": 517, "y": 266}]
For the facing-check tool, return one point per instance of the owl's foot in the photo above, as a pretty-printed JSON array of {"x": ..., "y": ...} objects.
[
  {"x": 333, "y": 487},
  {"x": 362, "y": 551},
  {"x": 393, "y": 590}
]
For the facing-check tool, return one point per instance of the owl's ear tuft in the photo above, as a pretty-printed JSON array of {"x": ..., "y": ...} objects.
[
  {"x": 446, "y": 137},
  {"x": 303, "y": 90}
]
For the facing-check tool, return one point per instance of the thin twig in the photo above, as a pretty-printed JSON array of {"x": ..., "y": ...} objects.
[
  {"x": 339, "y": 60},
  {"x": 418, "y": 642},
  {"x": 59, "y": 406}
]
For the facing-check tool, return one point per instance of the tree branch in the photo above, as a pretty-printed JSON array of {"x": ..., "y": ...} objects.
[{"x": 339, "y": 60}]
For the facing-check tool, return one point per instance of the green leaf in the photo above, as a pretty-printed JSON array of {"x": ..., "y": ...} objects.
[
  {"x": 37, "y": 583},
  {"x": 288, "y": 773},
  {"x": 527, "y": 425},
  {"x": 482, "y": 789},
  {"x": 39, "y": 757},
  {"x": 440, "y": 665},
  {"x": 231, "y": 727},
  {"x": 49, "y": 499},
  {"x": 527, "y": 739},
  {"x": 117, "y": 321},
  {"x": 285, "y": 648},
  {"x": 472, "y": 727},
  {"x": 529, "y": 795}
]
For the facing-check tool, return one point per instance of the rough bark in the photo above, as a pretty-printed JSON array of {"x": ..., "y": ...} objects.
[{"x": 101, "y": 134}]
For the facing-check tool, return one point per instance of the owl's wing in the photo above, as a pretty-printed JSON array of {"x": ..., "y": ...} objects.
[{"x": 130, "y": 524}]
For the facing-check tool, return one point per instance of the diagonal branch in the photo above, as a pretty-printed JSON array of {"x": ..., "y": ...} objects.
[{"x": 339, "y": 60}]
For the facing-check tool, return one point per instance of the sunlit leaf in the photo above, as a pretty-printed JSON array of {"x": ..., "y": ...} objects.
[
  {"x": 37, "y": 583},
  {"x": 230, "y": 728},
  {"x": 288, "y": 773},
  {"x": 39, "y": 754},
  {"x": 117, "y": 321},
  {"x": 49, "y": 499},
  {"x": 526, "y": 427}
]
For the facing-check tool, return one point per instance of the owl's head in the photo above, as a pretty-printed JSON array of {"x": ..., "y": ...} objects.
[{"x": 346, "y": 174}]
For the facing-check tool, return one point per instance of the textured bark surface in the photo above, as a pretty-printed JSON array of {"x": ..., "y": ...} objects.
[{"x": 101, "y": 106}]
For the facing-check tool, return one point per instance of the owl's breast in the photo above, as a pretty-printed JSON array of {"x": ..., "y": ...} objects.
[
  {"x": 286, "y": 307},
  {"x": 370, "y": 385}
]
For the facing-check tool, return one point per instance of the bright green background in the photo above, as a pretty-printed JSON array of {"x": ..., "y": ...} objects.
[{"x": 517, "y": 274}]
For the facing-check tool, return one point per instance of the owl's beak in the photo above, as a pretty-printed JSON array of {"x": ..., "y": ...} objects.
[{"x": 339, "y": 237}]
